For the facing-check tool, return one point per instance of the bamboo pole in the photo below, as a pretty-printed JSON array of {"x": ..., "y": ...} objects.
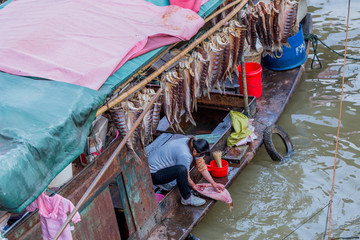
[
  {"x": 221, "y": 10},
  {"x": 173, "y": 60},
  {"x": 244, "y": 83},
  {"x": 108, "y": 163},
  {"x": 142, "y": 69}
]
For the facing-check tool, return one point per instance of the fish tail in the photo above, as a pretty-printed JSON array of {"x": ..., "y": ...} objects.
[{"x": 231, "y": 205}]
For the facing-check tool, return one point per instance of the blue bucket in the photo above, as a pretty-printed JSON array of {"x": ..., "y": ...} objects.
[{"x": 291, "y": 57}]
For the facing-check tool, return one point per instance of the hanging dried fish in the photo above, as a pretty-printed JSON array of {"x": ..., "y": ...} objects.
[
  {"x": 188, "y": 88},
  {"x": 261, "y": 28},
  {"x": 287, "y": 20},
  {"x": 179, "y": 100},
  {"x": 120, "y": 114},
  {"x": 144, "y": 99},
  {"x": 170, "y": 86},
  {"x": 275, "y": 28},
  {"x": 252, "y": 19},
  {"x": 156, "y": 115},
  {"x": 223, "y": 43},
  {"x": 133, "y": 114},
  {"x": 201, "y": 71},
  {"x": 215, "y": 57},
  {"x": 240, "y": 33}
]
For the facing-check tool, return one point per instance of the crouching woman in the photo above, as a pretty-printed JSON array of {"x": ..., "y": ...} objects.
[{"x": 172, "y": 161}]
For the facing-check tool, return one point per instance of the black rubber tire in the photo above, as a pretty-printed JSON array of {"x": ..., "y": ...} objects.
[{"x": 270, "y": 148}]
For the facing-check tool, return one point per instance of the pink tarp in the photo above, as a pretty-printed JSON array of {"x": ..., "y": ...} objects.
[{"x": 82, "y": 42}]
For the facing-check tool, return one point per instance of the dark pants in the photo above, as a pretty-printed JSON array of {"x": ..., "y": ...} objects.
[{"x": 178, "y": 172}]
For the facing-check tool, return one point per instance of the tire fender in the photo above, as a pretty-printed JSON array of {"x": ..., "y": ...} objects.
[{"x": 270, "y": 148}]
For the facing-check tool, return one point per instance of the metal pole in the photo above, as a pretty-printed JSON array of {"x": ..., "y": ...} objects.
[
  {"x": 243, "y": 77},
  {"x": 107, "y": 164}
]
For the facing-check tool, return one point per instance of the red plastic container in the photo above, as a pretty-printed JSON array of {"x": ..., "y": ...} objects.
[
  {"x": 253, "y": 79},
  {"x": 216, "y": 171}
]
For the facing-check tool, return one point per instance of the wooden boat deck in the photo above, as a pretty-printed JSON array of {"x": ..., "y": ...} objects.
[{"x": 277, "y": 88}]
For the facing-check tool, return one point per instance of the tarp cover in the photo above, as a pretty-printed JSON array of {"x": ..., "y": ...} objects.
[
  {"x": 83, "y": 42},
  {"x": 43, "y": 124}
]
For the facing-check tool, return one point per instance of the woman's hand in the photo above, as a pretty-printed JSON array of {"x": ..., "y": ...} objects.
[
  {"x": 197, "y": 187},
  {"x": 218, "y": 187}
]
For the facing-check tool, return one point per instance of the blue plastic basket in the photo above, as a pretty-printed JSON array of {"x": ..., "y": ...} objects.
[{"x": 291, "y": 57}]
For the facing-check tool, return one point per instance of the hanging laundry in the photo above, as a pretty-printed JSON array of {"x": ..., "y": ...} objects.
[{"x": 53, "y": 213}]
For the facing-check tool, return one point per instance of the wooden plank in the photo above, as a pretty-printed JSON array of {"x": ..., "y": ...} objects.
[
  {"x": 130, "y": 222},
  {"x": 220, "y": 101},
  {"x": 236, "y": 154},
  {"x": 98, "y": 220},
  {"x": 138, "y": 186}
]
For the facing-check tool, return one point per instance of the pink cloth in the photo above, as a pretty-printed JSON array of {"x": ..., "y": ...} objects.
[
  {"x": 53, "y": 213},
  {"x": 189, "y": 4},
  {"x": 82, "y": 42}
]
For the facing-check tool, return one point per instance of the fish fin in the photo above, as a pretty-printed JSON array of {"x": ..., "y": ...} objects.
[
  {"x": 236, "y": 72},
  {"x": 189, "y": 117},
  {"x": 267, "y": 53},
  {"x": 172, "y": 127},
  {"x": 137, "y": 158},
  {"x": 217, "y": 86},
  {"x": 208, "y": 94},
  {"x": 179, "y": 128},
  {"x": 195, "y": 105}
]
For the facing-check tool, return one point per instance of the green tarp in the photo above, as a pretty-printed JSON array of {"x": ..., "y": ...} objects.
[{"x": 44, "y": 125}]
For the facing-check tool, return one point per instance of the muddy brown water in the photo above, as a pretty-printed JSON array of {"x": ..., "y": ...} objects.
[{"x": 273, "y": 199}]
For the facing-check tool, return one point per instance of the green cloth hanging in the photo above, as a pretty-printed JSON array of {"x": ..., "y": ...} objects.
[{"x": 239, "y": 122}]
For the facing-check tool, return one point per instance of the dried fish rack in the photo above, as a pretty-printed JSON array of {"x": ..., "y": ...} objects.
[{"x": 143, "y": 83}]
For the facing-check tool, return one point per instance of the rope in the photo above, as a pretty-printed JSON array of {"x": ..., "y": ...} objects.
[
  {"x": 306, "y": 220},
  {"x": 339, "y": 120},
  {"x": 314, "y": 41},
  {"x": 327, "y": 221}
]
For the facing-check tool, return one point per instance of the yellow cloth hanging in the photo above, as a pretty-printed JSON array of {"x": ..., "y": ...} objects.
[{"x": 240, "y": 123}]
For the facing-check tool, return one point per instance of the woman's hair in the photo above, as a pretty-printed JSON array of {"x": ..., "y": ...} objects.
[{"x": 201, "y": 146}]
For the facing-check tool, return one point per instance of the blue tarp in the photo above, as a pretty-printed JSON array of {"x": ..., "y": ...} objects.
[{"x": 44, "y": 125}]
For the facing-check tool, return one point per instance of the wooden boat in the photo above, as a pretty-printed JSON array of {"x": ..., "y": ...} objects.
[{"x": 122, "y": 203}]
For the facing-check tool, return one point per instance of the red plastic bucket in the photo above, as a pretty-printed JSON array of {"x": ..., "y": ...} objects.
[
  {"x": 253, "y": 79},
  {"x": 216, "y": 171}
]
